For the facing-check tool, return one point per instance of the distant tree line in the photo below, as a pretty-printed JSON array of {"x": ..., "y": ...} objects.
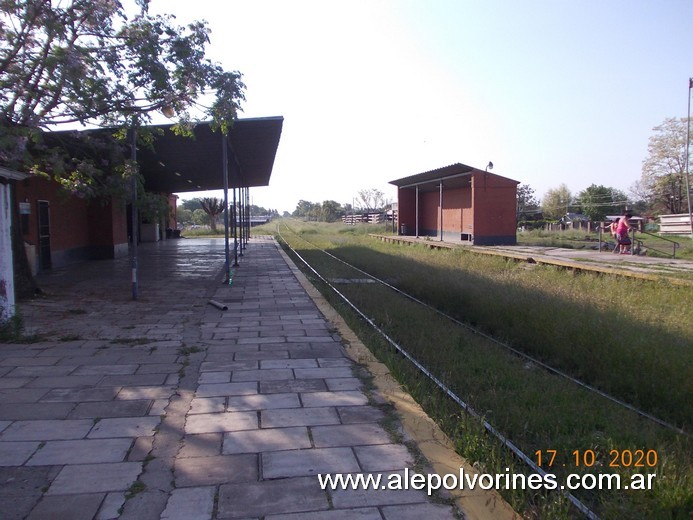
[
  {"x": 209, "y": 211},
  {"x": 368, "y": 201},
  {"x": 660, "y": 190}
]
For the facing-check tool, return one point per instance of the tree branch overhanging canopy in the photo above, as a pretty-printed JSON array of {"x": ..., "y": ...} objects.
[{"x": 89, "y": 61}]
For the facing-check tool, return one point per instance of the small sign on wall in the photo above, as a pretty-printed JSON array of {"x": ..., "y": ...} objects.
[{"x": 24, "y": 208}]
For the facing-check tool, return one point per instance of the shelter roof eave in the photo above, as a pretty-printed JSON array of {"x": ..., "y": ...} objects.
[{"x": 453, "y": 175}]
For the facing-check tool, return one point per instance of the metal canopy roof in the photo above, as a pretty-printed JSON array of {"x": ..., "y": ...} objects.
[
  {"x": 453, "y": 176},
  {"x": 179, "y": 164}
]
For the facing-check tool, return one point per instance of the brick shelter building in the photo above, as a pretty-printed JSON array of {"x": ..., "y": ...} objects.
[
  {"x": 458, "y": 203},
  {"x": 59, "y": 228}
]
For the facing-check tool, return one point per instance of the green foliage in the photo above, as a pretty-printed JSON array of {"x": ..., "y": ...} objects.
[
  {"x": 663, "y": 178},
  {"x": 596, "y": 202},
  {"x": 556, "y": 202},
  {"x": 91, "y": 62}
]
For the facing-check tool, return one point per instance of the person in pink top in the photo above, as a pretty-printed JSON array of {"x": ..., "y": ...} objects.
[{"x": 622, "y": 230}]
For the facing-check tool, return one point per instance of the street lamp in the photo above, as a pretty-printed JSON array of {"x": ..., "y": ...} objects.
[{"x": 489, "y": 166}]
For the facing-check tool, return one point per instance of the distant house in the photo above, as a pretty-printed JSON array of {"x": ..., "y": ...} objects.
[{"x": 458, "y": 203}]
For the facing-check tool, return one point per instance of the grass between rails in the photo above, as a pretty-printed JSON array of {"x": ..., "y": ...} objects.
[{"x": 536, "y": 410}]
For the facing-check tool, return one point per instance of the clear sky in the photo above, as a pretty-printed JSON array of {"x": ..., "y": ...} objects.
[{"x": 550, "y": 91}]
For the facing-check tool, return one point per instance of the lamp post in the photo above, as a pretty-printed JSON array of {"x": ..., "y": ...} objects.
[
  {"x": 133, "y": 212},
  {"x": 688, "y": 144},
  {"x": 489, "y": 166}
]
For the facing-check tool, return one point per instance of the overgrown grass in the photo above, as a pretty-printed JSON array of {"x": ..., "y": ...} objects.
[{"x": 628, "y": 337}]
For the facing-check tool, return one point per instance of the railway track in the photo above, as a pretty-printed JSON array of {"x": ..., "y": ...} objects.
[{"x": 367, "y": 278}]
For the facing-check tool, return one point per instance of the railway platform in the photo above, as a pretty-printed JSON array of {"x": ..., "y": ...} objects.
[{"x": 169, "y": 407}]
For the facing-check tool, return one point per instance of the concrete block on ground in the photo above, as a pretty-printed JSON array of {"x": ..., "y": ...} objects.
[
  {"x": 190, "y": 504},
  {"x": 262, "y": 402},
  {"x": 95, "y": 478},
  {"x": 124, "y": 427},
  {"x": 298, "y": 417},
  {"x": 83, "y": 451},
  {"x": 264, "y": 440},
  {"x": 349, "y": 435},
  {"x": 299, "y": 463},
  {"x": 384, "y": 457},
  {"x": 418, "y": 511},
  {"x": 47, "y": 430},
  {"x": 220, "y": 422},
  {"x": 16, "y": 453},
  {"x": 224, "y": 389},
  {"x": 74, "y": 507},
  {"x": 259, "y": 499},
  {"x": 344, "y": 398},
  {"x": 220, "y": 469}
]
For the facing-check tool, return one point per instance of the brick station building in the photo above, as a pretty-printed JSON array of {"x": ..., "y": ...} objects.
[{"x": 458, "y": 203}]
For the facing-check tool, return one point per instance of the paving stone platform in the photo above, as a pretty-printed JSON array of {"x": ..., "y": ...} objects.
[{"x": 170, "y": 408}]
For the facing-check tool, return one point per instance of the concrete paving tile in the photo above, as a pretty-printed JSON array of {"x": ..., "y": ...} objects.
[
  {"x": 228, "y": 366},
  {"x": 364, "y": 513},
  {"x": 201, "y": 445},
  {"x": 78, "y": 395},
  {"x": 298, "y": 417},
  {"x": 72, "y": 507},
  {"x": 14, "y": 382},
  {"x": 220, "y": 422},
  {"x": 335, "y": 362},
  {"x": 134, "y": 380},
  {"x": 215, "y": 377},
  {"x": 146, "y": 392},
  {"x": 64, "y": 382},
  {"x": 224, "y": 389},
  {"x": 345, "y": 398},
  {"x": 158, "y": 407},
  {"x": 47, "y": 430},
  {"x": 259, "y": 499},
  {"x": 323, "y": 373},
  {"x": 207, "y": 405},
  {"x": 124, "y": 427},
  {"x": 29, "y": 361},
  {"x": 41, "y": 371},
  {"x": 288, "y": 363},
  {"x": 301, "y": 463},
  {"x": 264, "y": 440},
  {"x": 159, "y": 368},
  {"x": 333, "y": 351},
  {"x": 22, "y": 395},
  {"x": 262, "y": 341},
  {"x": 262, "y": 354},
  {"x": 262, "y": 375},
  {"x": 349, "y": 435},
  {"x": 219, "y": 469},
  {"x": 16, "y": 453},
  {"x": 262, "y": 402},
  {"x": 360, "y": 414},
  {"x": 110, "y": 506},
  {"x": 353, "y": 498},
  {"x": 105, "y": 370},
  {"x": 292, "y": 386},
  {"x": 58, "y": 453},
  {"x": 95, "y": 478},
  {"x": 344, "y": 383},
  {"x": 105, "y": 409},
  {"x": 384, "y": 457},
  {"x": 418, "y": 511},
  {"x": 27, "y": 411},
  {"x": 190, "y": 504},
  {"x": 326, "y": 338},
  {"x": 4, "y": 424},
  {"x": 141, "y": 449}
]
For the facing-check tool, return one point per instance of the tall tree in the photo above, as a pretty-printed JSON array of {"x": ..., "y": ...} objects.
[
  {"x": 331, "y": 211},
  {"x": 556, "y": 202},
  {"x": 527, "y": 203},
  {"x": 596, "y": 202},
  {"x": 212, "y": 207},
  {"x": 89, "y": 61},
  {"x": 663, "y": 171},
  {"x": 372, "y": 199}
]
